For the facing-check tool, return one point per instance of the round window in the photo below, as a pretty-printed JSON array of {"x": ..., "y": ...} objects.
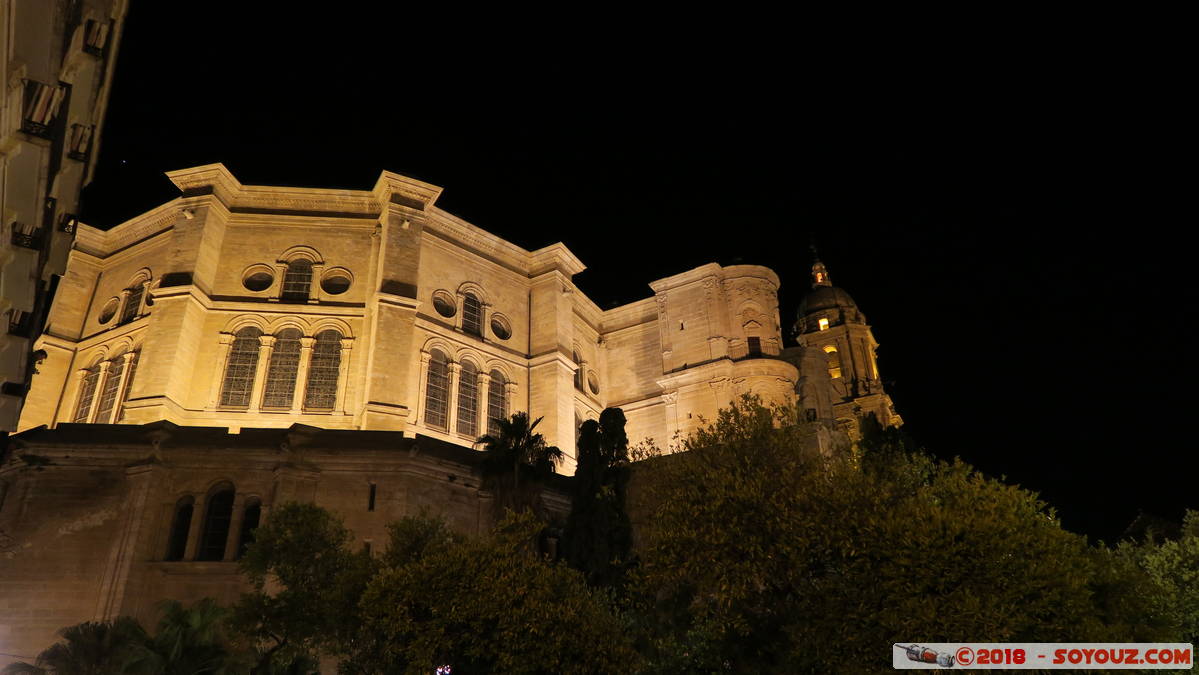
[
  {"x": 109, "y": 310},
  {"x": 499, "y": 327},
  {"x": 444, "y": 303},
  {"x": 258, "y": 280},
  {"x": 593, "y": 382},
  {"x": 336, "y": 282}
]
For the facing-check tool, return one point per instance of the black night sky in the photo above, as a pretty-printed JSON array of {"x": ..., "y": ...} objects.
[{"x": 1005, "y": 214}]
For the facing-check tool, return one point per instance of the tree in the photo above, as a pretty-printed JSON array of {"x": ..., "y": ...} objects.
[
  {"x": 191, "y": 640},
  {"x": 307, "y": 584},
  {"x": 486, "y": 605},
  {"x": 92, "y": 648},
  {"x": 517, "y": 448},
  {"x": 764, "y": 554},
  {"x": 598, "y": 536}
]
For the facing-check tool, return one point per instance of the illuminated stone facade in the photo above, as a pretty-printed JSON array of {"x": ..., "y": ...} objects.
[{"x": 243, "y": 346}]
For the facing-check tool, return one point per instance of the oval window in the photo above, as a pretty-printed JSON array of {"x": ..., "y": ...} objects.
[
  {"x": 499, "y": 327},
  {"x": 258, "y": 280},
  {"x": 593, "y": 382},
  {"x": 109, "y": 311},
  {"x": 444, "y": 303},
  {"x": 336, "y": 283}
]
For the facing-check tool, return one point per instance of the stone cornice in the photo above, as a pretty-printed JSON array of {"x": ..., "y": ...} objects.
[
  {"x": 554, "y": 256},
  {"x": 405, "y": 191},
  {"x": 102, "y": 244},
  {"x": 633, "y": 314}
]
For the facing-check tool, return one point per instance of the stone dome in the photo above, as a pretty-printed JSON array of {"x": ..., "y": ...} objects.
[{"x": 825, "y": 297}]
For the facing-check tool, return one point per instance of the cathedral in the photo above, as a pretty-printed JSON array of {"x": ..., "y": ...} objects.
[{"x": 243, "y": 346}]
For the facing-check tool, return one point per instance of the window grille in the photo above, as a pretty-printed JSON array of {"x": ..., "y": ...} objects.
[
  {"x": 297, "y": 280},
  {"x": 133, "y": 303},
  {"x": 217, "y": 518},
  {"x": 282, "y": 371},
  {"x": 497, "y": 403},
  {"x": 468, "y": 400},
  {"x": 108, "y": 394},
  {"x": 87, "y": 392},
  {"x": 437, "y": 391},
  {"x": 239, "y": 373},
  {"x": 323, "y": 371},
  {"x": 472, "y": 315},
  {"x": 180, "y": 528}
]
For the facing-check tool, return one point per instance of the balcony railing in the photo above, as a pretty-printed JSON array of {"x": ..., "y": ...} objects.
[
  {"x": 42, "y": 102},
  {"x": 26, "y": 238}
]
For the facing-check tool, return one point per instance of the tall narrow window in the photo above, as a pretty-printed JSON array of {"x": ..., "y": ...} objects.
[
  {"x": 87, "y": 392},
  {"x": 239, "y": 373},
  {"x": 129, "y": 383},
  {"x": 578, "y": 371},
  {"x": 472, "y": 315},
  {"x": 468, "y": 400},
  {"x": 323, "y": 371},
  {"x": 217, "y": 516},
  {"x": 370, "y": 498},
  {"x": 834, "y": 361},
  {"x": 133, "y": 302},
  {"x": 249, "y": 522},
  {"x": 497, "y": 403},
  {"x": 297, "y": 280},
  {"x": 437, "y": 391},
  {"x": 108, "y": 394},
  {"x": 180, "y": 527},
  {"x": 755, "y": 345},
  {"x": 281, "y": 374}
]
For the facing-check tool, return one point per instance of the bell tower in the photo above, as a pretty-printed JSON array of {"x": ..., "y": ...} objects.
[{"x": 829, "y": 321}]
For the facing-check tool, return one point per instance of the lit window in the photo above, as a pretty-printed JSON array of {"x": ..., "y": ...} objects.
[
  {"x": 468, "y": 400},
  {"x": 497, "y": 403},
  {"x": 323, "y": 371},
  {"x": 823, "y": 324},
  {"x": 834, "y": 361},
  {"x": 472, "y": 315},
  {"x": 297, "y": 280},
  {"x": 437, "y": 391},
  {"x": 239, "y": 373},
  {"x": 281, "y": 373}
]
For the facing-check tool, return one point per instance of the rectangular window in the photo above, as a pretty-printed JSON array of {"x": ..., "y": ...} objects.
[
  {"x": 95, "y": 37},
  {"x": 370, "y": 500},
  {"x": 436, "y": 395},
  {"x": 80, "y": 141},
  {"x": 133, "y": 304},
  {"x": 472, "y": 315},
  {"x": 108, "y": 395},
  {"x": 823, "y": 324},
  {"x": 42, "y": 102}
]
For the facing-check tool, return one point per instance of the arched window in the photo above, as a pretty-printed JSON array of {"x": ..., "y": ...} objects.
[
  {"x": 497, "y": 402},
  {"x": 281, "y": 374},
  {"x": 180, "y": 527},
  {"x": 218, "y": 514},
  {"x": 249, "y": 522},
  {"x": 834, "y": 361},
  {"x": 133, "y": 301},
  {"x": 297, "y": 280},
  {"x": 323, "y": 371},
  {"x": 472, "y": 314},
  {"x": 87, "y": 393},
  {"x": 110, "y": 390},
  {"x": 468, "y": 399},
  {"x": 578, "y": 370},
  {"x": 239, "y": 373},
  {"x": 437, "y": 390}
]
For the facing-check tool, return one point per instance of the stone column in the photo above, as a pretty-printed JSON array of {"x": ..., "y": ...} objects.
[
  {"x": 235, "y": 523},
  {"x": 225, "y": 343},
  {"x": 452, "y": 396},
  {"x": 671, "y": 400},
  {"x": 98, "y": 393},
  {"x": 266, "y": 343},
  {"x": 343, "y": 374},
  {"x": 199, "y": 506},
  {"x": 485, "y": 399},
  {"x": 419, "y": 404},
  {"x": 300, "y": 389}
]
